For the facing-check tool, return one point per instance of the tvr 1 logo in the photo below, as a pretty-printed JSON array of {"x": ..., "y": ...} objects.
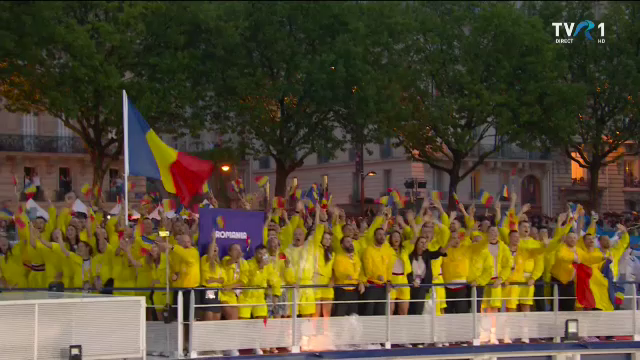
[{"x": 584, "y": 26}]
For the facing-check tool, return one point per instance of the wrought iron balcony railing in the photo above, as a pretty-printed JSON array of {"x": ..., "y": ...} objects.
[
  {"x": 45, "y": 144},
  {"x": 511, "y": 152}
]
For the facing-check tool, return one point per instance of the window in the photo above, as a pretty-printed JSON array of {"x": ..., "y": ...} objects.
[
  {"x": 386, "y": 180},
  {"x": 439, "y": 180},
  {"x": 29, "y": 130},
  {"x": 264, "y": 163},
  {"x": 578, "y": 174},
  {"x": 64, "y": 183},
  {"x": 322, "y": 159},
  {"x": 28, "y": 174},
  {"x": 352, "y": 154},
  {"x": 631, "y": 173},
  {"x": 385, "y": 149}
]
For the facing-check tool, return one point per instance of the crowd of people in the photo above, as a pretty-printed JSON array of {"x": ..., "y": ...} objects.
[{"x": 508, "y": 262}]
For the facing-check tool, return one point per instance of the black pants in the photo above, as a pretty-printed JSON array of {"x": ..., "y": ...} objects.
[
  {"x": 379, "y": 307},
  {"x": 538, "y": 293},
  {"x": 454, "y": 305},
  {"x": 567, "y": 291},
  {"x": 345, "y": 302},
  {"x": 186, "y": 301},
  {"x": 107, "y": 287},
  {"x": 479, "y": 297},
  {"x": 417, "y": 307}
]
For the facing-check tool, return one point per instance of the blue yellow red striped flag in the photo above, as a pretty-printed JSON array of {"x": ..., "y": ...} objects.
[
  {"x": 262, "y": 180},
  {"x": 149, "y": 156},
  {"x": 486, "y": 199}
]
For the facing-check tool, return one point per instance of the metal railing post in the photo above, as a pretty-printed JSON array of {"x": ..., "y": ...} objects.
[
  {"x": 556, "y": 305},
  {"x": 474, "y": 315},
  {"x": 180, "y": 319},
  {"x": 35, "y": 333},
  {"x": 636, "y": 335},
  {"x": 295, "y": 348},
  {"x": 434, "y": 313},
  {"x": 192, "y": 310},
  {"x": 387, "y": 344}
]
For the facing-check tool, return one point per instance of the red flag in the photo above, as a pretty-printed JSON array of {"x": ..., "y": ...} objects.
[
  {"x": 584, "y": 295},
  {"x": 15, "y": 181},
  {"x": 248, "y": 242},
  {"x": 265, "y": 322},
  {"x": 514, "y": 171}
]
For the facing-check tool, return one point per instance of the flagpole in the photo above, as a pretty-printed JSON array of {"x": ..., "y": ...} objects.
[{"x": 125, "y": 120}]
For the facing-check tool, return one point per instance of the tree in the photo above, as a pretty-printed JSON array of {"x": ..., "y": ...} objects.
[
  {"x": 475, "y": 76},
  {"x": 608, "y": 76},
  {"x": 285, "y": 79},
  {"x": 72, "y": 60}
]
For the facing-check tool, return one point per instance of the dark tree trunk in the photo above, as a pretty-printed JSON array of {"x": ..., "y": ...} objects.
[
  {"x": 454, "y": 180},
  {"x": 282, "y": 173},
  {"x": 594, "y": 193}
]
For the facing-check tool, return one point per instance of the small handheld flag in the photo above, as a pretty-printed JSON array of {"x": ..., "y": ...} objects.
[
  {"x": 97, "y": 192},
  {"x": 220, "y": 222},
  {"x": 455, "y": 197},
  {"x": 86, "y": 190},
  {"x": 19, "y": 222},
  {"x": 278, "y": 202},
  {"x": 436, "y": 195},
  {"x": 383, "y": 200},
  {"x": 298, "y": 194},
  {"x": 168, "y": 205},
  {"x": 15, "y": 181},
  {"x": 505, "y": 192},
  {"x": 486, "y": 199},
  {"x": 262, "y": 180},
  {"x": 30, "y": 191}
]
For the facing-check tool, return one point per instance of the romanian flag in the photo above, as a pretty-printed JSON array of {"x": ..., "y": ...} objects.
[
  {"x": 455, "y": 197},
  {"x": 262, "y": 180},
  {"x": 616, "y": 292},
  {"x": 326, "y": 201},
  {"x": 278, "y": 202},
  {"x": 168, "y": 205},
  {"x": 6, "y": 214},
  {"x": 149, "y": 156},
  {"x": 30, "y": 191},
  {"x": 145, "y": 246},
  {"x": 97, "y": 191},
  {"x": 505, "y": 192},
  {"x": 131, "y": 186},
  {"x": 298, "y": 194},
  {"x": 312, "y": 194},
  {"x": 20, "y": 222},
  {"x": 383, "y": 200},
  {"x": 584, "y": 295},
  {"x": 220, "y": 222},
  {"x": 436, "y": 196},
  {"x": 397, "y": 199},
  {"x": 486, "y": 199},
  {"x": 86, "y": 190},
  {"x": 237, "y": 186}
]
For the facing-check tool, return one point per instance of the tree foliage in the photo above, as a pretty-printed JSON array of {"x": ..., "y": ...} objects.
[
  {"x": 608, "y": 78},
  {"x": 72, "y": 60},
  {"x": 475, "y": 76},
  {"x": 289, "y": 77}
]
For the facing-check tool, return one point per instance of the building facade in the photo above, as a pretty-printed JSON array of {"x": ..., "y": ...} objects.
[{"x": 547, "y": 181}]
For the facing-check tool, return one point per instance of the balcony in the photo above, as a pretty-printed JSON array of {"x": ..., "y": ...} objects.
[
  {"x": 510, "y": 152},
  {"x": 42, "y": 144},
  {"x": 631, "y": 181}
]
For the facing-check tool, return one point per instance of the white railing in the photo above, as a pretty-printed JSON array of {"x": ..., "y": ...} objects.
[
  {"x": 318, "y": 334},
  {"x": 42, "y": 325}
]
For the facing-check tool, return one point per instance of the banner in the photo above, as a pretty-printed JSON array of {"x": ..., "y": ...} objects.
[{"x": 232, "y": 227}]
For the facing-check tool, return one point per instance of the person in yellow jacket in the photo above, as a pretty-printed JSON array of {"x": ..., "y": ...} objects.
[
  {"x": 301, "y": 257},
  {"x": 213, "y": 277},
  {"x": 323, "y": 259},
  {"x": 13, "y": 273},
  {"x": 400, "y": 268},
  {"x": 598, "y": 283},
  {"x": 455, "y": 271},
  {"x": 528, "y": 265},
  {"x": 124, "y": 265},
  {"x": 614, "y": 251},
  {"x": 501, "y": 263},
  {"x": 376, "y": 267},
  {"x": 481, "y": 268},
  {"x": 152, "y": 274},
  {"x": 234, "y": 266},
  {"x": 563, "y": 271},
  {"x": 260, "y": 274},
  {"x": 80, "y": 261},
  {"x": 276, "y": 301},
  {"x": 347, "y": 270}
]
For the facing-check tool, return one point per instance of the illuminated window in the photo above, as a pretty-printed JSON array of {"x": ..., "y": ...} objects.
[{"x": 578, "y": 173}]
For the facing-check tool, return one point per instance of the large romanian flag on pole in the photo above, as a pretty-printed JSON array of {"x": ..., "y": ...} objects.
[{"x": 147, "y": 155}]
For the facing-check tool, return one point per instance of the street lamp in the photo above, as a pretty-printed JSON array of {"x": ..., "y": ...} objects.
[
  {"x": 362, "y": 177},
  {"x": 225, "y": 168}
]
